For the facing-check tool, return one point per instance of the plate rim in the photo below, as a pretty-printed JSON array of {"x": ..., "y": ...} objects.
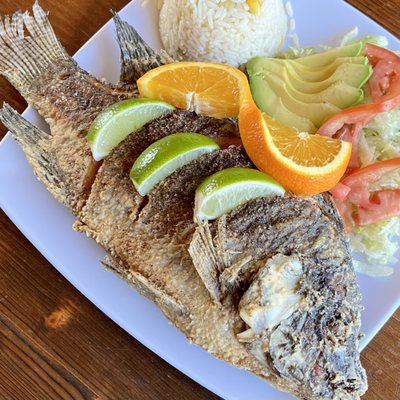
[{"x": 16, "y": 220}]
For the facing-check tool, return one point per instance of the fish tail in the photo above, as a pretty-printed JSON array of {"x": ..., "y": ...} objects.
[
  {"x": 36, "y": 145},
  {"x": 137, "y": 57},
  {"x": 24, "y": 57}
]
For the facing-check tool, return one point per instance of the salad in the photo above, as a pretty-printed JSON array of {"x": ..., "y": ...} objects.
[{"x": 368, "y": 197}]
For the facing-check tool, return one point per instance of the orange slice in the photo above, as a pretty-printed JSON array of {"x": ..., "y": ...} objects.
[
  {"x": 209, "y": 89},
  {"x": 301, "y": 162}
]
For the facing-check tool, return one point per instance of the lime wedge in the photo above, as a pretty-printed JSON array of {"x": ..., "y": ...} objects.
[
  {"x": 167, "y": 155},
  {"x": 230, "y": 188},
  {"x": 116, "y": 122}
]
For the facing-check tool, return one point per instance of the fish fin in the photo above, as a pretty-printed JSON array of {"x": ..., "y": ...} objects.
[
  {"x": 136, "y": 56},
  {"x": 171, "y": 307},
  {"x": 222, "y": 281},
  {"x": 204, "y": 259},
  {"x": 24, "y": 57},
  {"x": 230, "y": 278},
  {"x": 36, "y": 144}
]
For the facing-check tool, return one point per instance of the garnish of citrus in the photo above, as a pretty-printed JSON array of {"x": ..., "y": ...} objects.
[
  {"x": 209, "y": 89},
  {"x": 303, "y": 163},
  {"x": 230, "y": 188}
]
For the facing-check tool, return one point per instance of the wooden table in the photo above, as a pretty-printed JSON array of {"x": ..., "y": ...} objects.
[{"x": 44, "y": 320}]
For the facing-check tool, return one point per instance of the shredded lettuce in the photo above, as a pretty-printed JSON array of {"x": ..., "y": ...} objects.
[
  {"x": 390, "y": 180},
  {"x": 376, "y": 245},
  {"x": 378, "y": 40},
  {"x": 349, "y": 36},
  {"x": 374, "y": 270},
  {"x": 296, "y": 51},
  {"x": 366, "y": 151},
  {"x": 379, "y": 242},
  {"x": 382, "y": 137}
]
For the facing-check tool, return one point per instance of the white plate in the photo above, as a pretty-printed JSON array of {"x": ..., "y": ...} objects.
[{"x": 48, "y": 225}]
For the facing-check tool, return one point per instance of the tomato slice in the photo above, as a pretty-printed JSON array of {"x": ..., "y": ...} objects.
[
  {"x": 340, "y": 191},
  {"x": 385, "y": 92},
  {"x": 353, "y": 191},
  {"x": 371, "y": 173},
  {"x": 362, "y": 114},
  {"x": 384, "y": 204},
  {"x": 344, "y": 209},
  {"x": 385, "y": 80},
  {"x": 359, "y": 196}
]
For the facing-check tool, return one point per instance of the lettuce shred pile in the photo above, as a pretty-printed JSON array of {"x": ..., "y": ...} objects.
[
  {"x": 379, "y": 242},
  {"x": 376, "y": 245},
  {"x": 382, "y": 137},
  {"x": 296, "y": 51}
]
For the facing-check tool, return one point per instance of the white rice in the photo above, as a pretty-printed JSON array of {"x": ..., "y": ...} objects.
[
  {"x": 221, "y": 31},
  {"x": 289, "y": 9}
]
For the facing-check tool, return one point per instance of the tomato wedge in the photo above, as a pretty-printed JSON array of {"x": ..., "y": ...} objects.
[
  {"x": 371, "y": 173},
  {"x": 384, "y": 204},
  {"x": 385, "y": 91},
  {"x": 370, "y": 206},
  {"x": 340, "y": 191},
  {"x": 385, "y": 80},
  {"x": 363, "y": 114},
  {"x": 358, "y": 182},
  {"x": 359, "y": 196},
  {"x": 345, "y": 212}
]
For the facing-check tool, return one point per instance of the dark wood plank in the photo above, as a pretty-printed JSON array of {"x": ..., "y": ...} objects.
[
  {"x": 386, "y": 13},
  {"x": 54, "y": 344},
  {"x": 26, "y": 368}
]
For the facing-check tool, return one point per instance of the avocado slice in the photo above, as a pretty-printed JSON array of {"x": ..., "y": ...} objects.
[
  {"x": 317, "y": 113},
  {"x": 319, "y": 74},
  {"x": 273, "y": 106},
  {"x": 339, "y": 94},
  {"x": 305, "y": 92},
  {"x": 327, "y": 57},
  {"x": 343, "y": 74},
  {"x": 355, "y": 76}
]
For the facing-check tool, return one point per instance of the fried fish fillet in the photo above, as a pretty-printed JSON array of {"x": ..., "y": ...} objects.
[{"x": 268, "y": 287}]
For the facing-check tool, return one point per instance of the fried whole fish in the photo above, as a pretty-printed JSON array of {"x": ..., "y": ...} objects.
[{"x": 268, "y": 287}]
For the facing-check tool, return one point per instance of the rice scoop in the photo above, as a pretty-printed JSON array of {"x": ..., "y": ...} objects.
[{"x": 222, "y": 31}]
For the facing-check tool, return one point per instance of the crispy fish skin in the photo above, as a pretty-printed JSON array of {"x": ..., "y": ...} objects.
[
  {"x": 147, "y": 238},
  {"x": 117, "y": 217},
  {"x": 115, "y": 169},
  {"x": 154, "y": 244}
]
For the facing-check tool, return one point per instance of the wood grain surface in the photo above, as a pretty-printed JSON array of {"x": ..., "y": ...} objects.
[{"x": 55, "y": 344}]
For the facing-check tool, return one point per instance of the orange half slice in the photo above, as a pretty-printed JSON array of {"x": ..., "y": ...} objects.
[
  {"x": 303, "y": 163},
  {"x": 209, "y": 89}
]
